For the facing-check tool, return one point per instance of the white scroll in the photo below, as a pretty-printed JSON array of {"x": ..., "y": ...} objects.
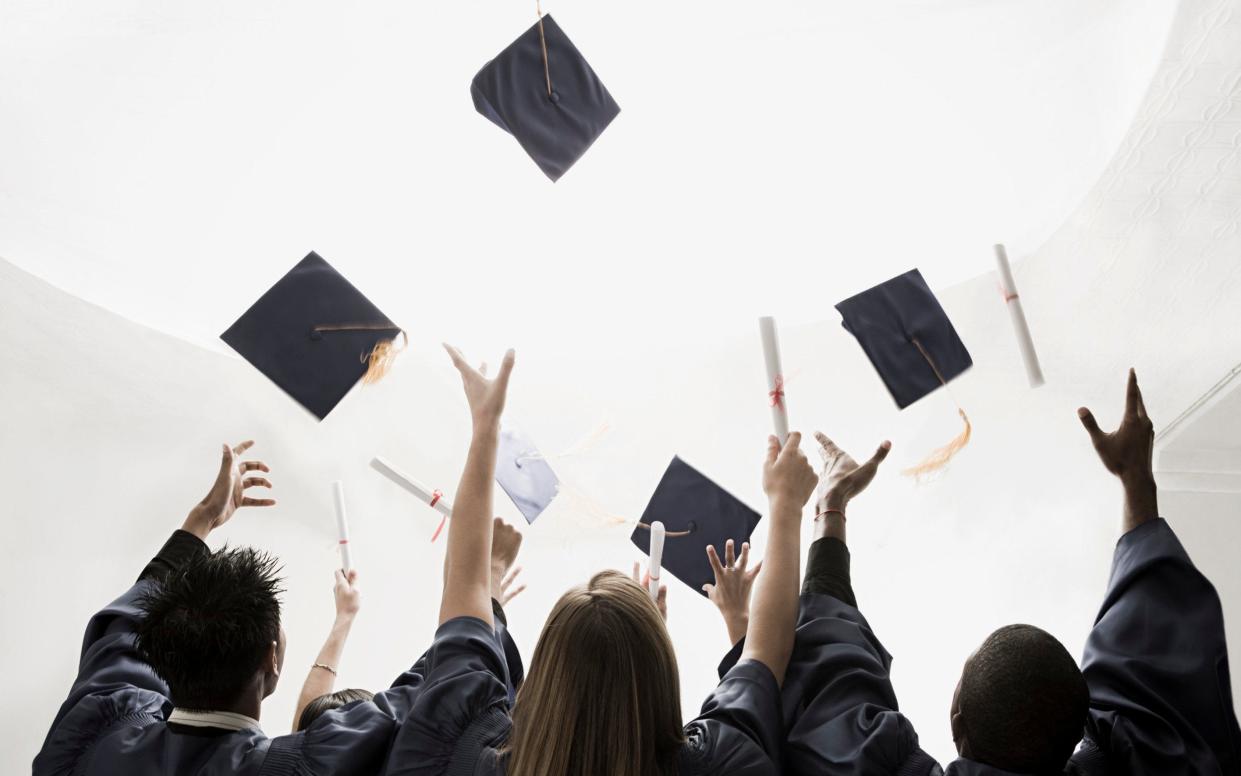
[
  {"x": 342, "y": 527},
  {"x": 775, "y": 377},
  {"x": 1033, "y": 371}
]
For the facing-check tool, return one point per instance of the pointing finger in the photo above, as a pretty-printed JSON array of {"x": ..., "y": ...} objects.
[
  {"x": 715, "y": 563},
  {"x": 1133, "y": 396},
  {"x": 244, "y": 446}
]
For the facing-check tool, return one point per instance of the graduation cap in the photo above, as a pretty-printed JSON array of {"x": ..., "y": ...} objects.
[
  {"x": 315, "y": 335},
  {"x": 524, "y": 474},
  {"x": 541, "y": 91},
  {"x": 695, "y": 512},
  {"x": 912, "y": 344}
]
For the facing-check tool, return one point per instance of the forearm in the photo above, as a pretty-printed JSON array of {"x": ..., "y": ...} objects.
[
  {"x": 773, "y": 616},
  {"x": 1141, "y": 502},
  {"x": 319, "y": 680},
  {"x": 467, "y": 564}
]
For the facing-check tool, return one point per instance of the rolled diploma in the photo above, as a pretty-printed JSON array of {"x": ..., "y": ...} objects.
[
  {"x": 1024, "y": 341},
  {"x": 342, "y": 526},
  {"x": 657, "y": 557},
  {"x": 424, "y": 494},
  {"x": 775, "y": 377}
]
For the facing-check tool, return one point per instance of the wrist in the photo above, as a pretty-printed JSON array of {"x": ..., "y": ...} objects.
[
  {"x": 835, "y": 501},
  {"x": 197, "y": 524},
  {"x": 345, "y": 619},
  {"x": 784, "y": 508},
  {"x": 737, "y": 627},
  {"x": 486, "y": 430}
]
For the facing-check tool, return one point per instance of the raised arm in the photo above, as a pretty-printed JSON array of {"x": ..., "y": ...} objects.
[
  {"x": 467, "y": 564},
  {"x": 789, "y": 482},
  {"x": 321, "y": 679},
  {"x": 731, "y": 591},
  {"x": 1156, "y": 661}
]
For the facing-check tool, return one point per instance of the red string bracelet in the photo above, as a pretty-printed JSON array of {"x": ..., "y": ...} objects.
[{"x": 840, "y": 512}]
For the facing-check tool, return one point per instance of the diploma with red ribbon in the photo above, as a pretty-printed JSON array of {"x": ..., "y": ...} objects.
[
  {"x": 1024, "y": 341},
  {"x": 775, "y": 377},
  {"x": 432, "y": 498}
]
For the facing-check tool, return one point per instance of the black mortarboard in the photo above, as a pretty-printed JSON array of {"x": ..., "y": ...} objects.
[
  {"x": 315, "y": 335},
  {"x": 545, "y": 96},
  {"x": 696, "y": 512},
  {"x": 907, "y": 336},
  {"x": 524, "y": 474}
]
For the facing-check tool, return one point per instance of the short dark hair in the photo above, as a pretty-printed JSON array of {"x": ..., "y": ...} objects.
[
  {"x": 209, "y": 625},
  {"x": 1023, "y": 701},
  {"x": 329, "y": 701}
]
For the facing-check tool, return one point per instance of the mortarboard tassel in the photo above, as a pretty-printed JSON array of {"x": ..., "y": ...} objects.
[
  {"x": 940, "y": 457},
  {"x": 670, "y": 534},
  {"x": 379, "y": 360},
  {"x": 547, "y": 71}
]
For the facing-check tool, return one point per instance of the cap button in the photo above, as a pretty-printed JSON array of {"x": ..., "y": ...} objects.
[
  {"x": 554, "y": 96},
  {"x": 316, "y": 335}
]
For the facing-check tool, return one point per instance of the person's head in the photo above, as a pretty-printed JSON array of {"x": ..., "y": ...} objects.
[
  {"x": 1021, "y": 704},
  {"x": 604, "y": 677},
  {"x": 212, "y": 630},
  {"x": 328, "y": 702}
]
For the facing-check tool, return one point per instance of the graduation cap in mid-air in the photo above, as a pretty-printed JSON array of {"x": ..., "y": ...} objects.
[
  {"x": 542, "y": 91},
  {"x": 912, "y": 344},
  {"x": 315, "y": 335},
  {"x": 695, "y": 512},
  {"x": 524, "y": 474}
]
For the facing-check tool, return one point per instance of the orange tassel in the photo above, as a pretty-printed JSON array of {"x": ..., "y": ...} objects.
[
  {"x": 939, "y": 458},
  {"x": 379, "y": 361}
]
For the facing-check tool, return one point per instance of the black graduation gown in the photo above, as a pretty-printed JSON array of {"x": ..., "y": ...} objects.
[{"x": 461, "y": 718}]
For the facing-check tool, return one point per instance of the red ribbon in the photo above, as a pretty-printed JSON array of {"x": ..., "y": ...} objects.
[
  {"x": 435, "y": 497},
  {"x": 344, "y": 541},
  {"x": 436, "y": 535},
  {"x": 777, "y": 394}
]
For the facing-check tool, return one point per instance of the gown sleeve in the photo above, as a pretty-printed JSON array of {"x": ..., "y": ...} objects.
[
  {"x": 1157, "y": 664},
  {"x": 114, "y": 686},
  {"x": 839, "y": 707},
  {"x": 463, "y": 705},
  {"x": 739, "y": 729}
]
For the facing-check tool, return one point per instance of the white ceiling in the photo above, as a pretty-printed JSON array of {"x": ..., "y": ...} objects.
[{"x": 170, "y": 161}]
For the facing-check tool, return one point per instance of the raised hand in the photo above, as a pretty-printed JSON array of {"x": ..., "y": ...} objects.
[
  {"x": 643, "y": 581},
  {"x": 348, "y": 596},
  {"x": 507, "y": 591},
  {"x": 842, "y": 478},
  {"x": 731, "y": 591},
  {"x": 1128, "y": 452},
  {"x": 485, "y": 397},
  {"x": 505, "y": 544},
  {"x": 227, "y": 494},
  {"x": 787, "y": 476}
]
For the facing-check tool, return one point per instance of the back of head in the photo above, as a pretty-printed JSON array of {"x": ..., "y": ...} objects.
[
  {"x": 604, "y": 680},
  {"x": 1022, "y": 702},
  {"x": 329, "y": 702},
  {"x": 210, "y": 625}
]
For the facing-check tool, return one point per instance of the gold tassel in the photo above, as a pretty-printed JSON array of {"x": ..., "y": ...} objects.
[
  {"x": 939, "y": 458},
  {"x": 379, "y": 360}
]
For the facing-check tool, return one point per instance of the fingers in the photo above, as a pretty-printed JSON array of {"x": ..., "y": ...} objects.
[
  {"x": 1141, "y": 402},
  {"x": 457, "y": 359},
  {"x": 661, "y": 599},
  {"x": 510, "y": 578},
  {"x": 482, "y": 369},
  {"x": 340, "y": 578},
  {"x": 715, "y": 563},
  {"x": 226, "y": 467},
  {"x": 256, "y": 482},
  {"x": 254, "y": 466},
  {"x": 827, "y": 448},
  {"x": 745, "y": 556},
  {"x": 353, "y": 577},
  {"x": 754, "y": 571},
  {"x": 1133, "y": 396},
  {"x": 506, "y": 369},
  {"x": 637, "y": 576},
  {"x": 773, "y": 448},
  {"x": 244, "y": 446},
  {"x": 258, "y": 502},
  {"x": 881, "y": 453},
  {"x": 730, "y": 558},
  {"x": 509, "y": 596},
  {"x": 792, "y": 445},
  {"x": 1092, "y": 425}
]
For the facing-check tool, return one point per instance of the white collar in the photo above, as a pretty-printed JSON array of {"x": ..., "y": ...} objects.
[{"x": 226, "y": 720}]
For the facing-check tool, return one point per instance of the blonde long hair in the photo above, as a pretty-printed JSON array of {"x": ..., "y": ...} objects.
[{"x": 602, "y": 696}]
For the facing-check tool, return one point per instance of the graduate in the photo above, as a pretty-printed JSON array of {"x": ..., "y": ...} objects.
[
  {"x": 1152, "y": 696},
  {"x": 602, "y": 695},
  {"x": 173, "y": 673}
]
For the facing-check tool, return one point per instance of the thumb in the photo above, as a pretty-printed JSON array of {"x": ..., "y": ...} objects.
[
  {"x": 226, "y": 467},
  {"x": 773, "y": 448},
  {"x": 708, "y": 589},
  {"x": 1092, "y": 426},
  {"x": 881, "y": 453}
]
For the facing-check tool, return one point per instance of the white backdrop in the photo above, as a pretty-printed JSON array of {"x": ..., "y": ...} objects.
[{"x": 189, "y": 184}]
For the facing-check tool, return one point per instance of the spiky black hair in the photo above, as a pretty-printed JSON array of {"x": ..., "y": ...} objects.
[{"x": 210, "y": 624}]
